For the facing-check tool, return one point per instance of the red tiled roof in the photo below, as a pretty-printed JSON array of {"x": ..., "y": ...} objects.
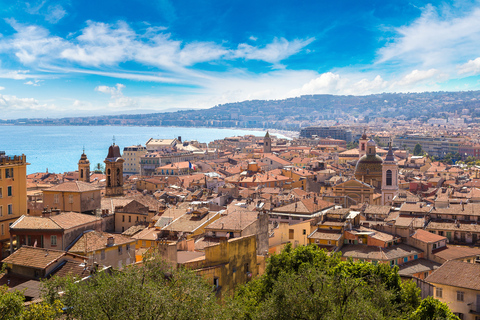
[{"x": 426, "y": 236}]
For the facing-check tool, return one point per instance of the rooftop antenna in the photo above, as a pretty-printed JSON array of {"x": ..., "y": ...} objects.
[{"x": 113, "y": 140}]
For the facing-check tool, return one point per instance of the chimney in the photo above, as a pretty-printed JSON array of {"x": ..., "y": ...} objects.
[
  {"x": 179, "y": 138},
  {"x": 463, "y": 206},
  {"x": 110, "y": 241}
]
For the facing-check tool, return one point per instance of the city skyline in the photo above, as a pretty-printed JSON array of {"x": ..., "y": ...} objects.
[{"x": 60, "y": 58}]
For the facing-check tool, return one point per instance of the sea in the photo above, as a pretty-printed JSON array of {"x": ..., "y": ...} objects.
[{"x": 57, "y": 149}]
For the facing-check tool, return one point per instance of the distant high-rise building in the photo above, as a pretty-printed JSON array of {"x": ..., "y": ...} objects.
[{"x": 325, "y": 132}]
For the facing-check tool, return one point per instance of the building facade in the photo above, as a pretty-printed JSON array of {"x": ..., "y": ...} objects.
[{"x": 13, "y": 194}]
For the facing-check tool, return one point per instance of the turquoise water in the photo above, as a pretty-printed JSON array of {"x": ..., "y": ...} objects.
[{"x": 59, "y": 148}]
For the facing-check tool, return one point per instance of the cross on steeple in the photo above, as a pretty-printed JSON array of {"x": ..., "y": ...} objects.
[{"x": 113, "y": 140}]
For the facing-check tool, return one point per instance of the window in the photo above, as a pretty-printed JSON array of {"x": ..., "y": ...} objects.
[
  {"x": 290, "y": 234},
  {"x": 304, "y": 231},
  {"x": 460, "y": 295},
  {"x": 128, "y": 247},
  {"x": 56, "y": 198},
  {"x": 439, "y": 292},
  {"x": 3, "y": 232},
  {"x": 9, "y": 191},
  {"x": 120, "y": 251},
  {"x": 70, "y": 198},
  {"x": 216, "y": 282},
  {"x": 10, "y": 209},
  {"x": 102, "y": 255},
  {"x": 1, "y": 196},
  {"x": 1, "y": 211},
  {"x": 129, "y": 218},
  {"x": 389, "y": 177},
  {"x": 53, "y": 240},
  {"x": 144, "y": 243},
  {"x": 123, "y": 218}
]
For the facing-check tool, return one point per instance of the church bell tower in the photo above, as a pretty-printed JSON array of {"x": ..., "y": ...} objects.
[
  {"x": 389, "y": 177},
  {"x": 84, "y": 168},
  {"x": 267, "y": 144},
  {"x": 114, "y": 172},
  {"x": 362, "y": 144}
]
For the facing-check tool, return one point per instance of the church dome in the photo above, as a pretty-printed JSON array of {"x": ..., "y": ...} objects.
[{"x": 368, "y": 165}]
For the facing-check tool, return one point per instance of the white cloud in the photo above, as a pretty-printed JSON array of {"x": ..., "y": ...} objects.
[
  {"x": 12, "y": 104},
  {"x": 472, "y": 66},
  {"x": 101, "y": 44},
  {"x": 417, "y": 76},
  {"x": 31, "y": 43},
  {"x": 2, "y": 88},
  {"x": 436, "y": 39},
  {"x": 253, "y": 38},
  {"x": 274, "y": 52},
  {"x": 52, "y": 14},
  {"x": 55, "y": 13},
  {"x": 118, "y": 100},
  {"x": 35, "y": 83},
  {"x": 104, "y": 44}
]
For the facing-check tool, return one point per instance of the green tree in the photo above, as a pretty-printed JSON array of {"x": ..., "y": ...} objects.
[
  {"x": 308, "y": 283},
  {"x": 417, "y": 150},
  {"x": 11, "y": 303},
  {"x": 12, "y": 307},
  {"x": 152, "y": 291},
  {"x": 432, "y": 309}
]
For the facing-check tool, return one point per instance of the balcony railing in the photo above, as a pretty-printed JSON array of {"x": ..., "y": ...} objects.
[{"x": 474, "y": 308}]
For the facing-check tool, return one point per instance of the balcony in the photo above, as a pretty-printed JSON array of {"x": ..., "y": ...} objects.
[{"x": 474, "y": 309}]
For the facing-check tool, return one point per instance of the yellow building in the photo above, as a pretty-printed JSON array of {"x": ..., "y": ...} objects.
[
  {"x": 132, "y": 156},
  {"x": 13, "y": 194},
  {"x": 458, "y": 285},
  {"x": 296, "y": 234},
  {"x": 227, "y": 264}
]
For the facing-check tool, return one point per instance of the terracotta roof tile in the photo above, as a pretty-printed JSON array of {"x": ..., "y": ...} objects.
[
  {"x": 34, "y": 257},
  {"x": 73, "y": 186},
  {"x": 94, "y": 240},
  {"x": 449, "y": 274},
  {"x": 235, "y": 221},
  {"x": 426, "y": 236}
]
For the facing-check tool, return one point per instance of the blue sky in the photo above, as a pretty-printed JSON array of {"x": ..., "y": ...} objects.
[{"x": 68, "y": 58}]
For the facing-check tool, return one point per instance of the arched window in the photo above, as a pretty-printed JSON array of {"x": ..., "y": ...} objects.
[
  {"x": 363, "y": 146},
  {"x": 389, "y": 177}
]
